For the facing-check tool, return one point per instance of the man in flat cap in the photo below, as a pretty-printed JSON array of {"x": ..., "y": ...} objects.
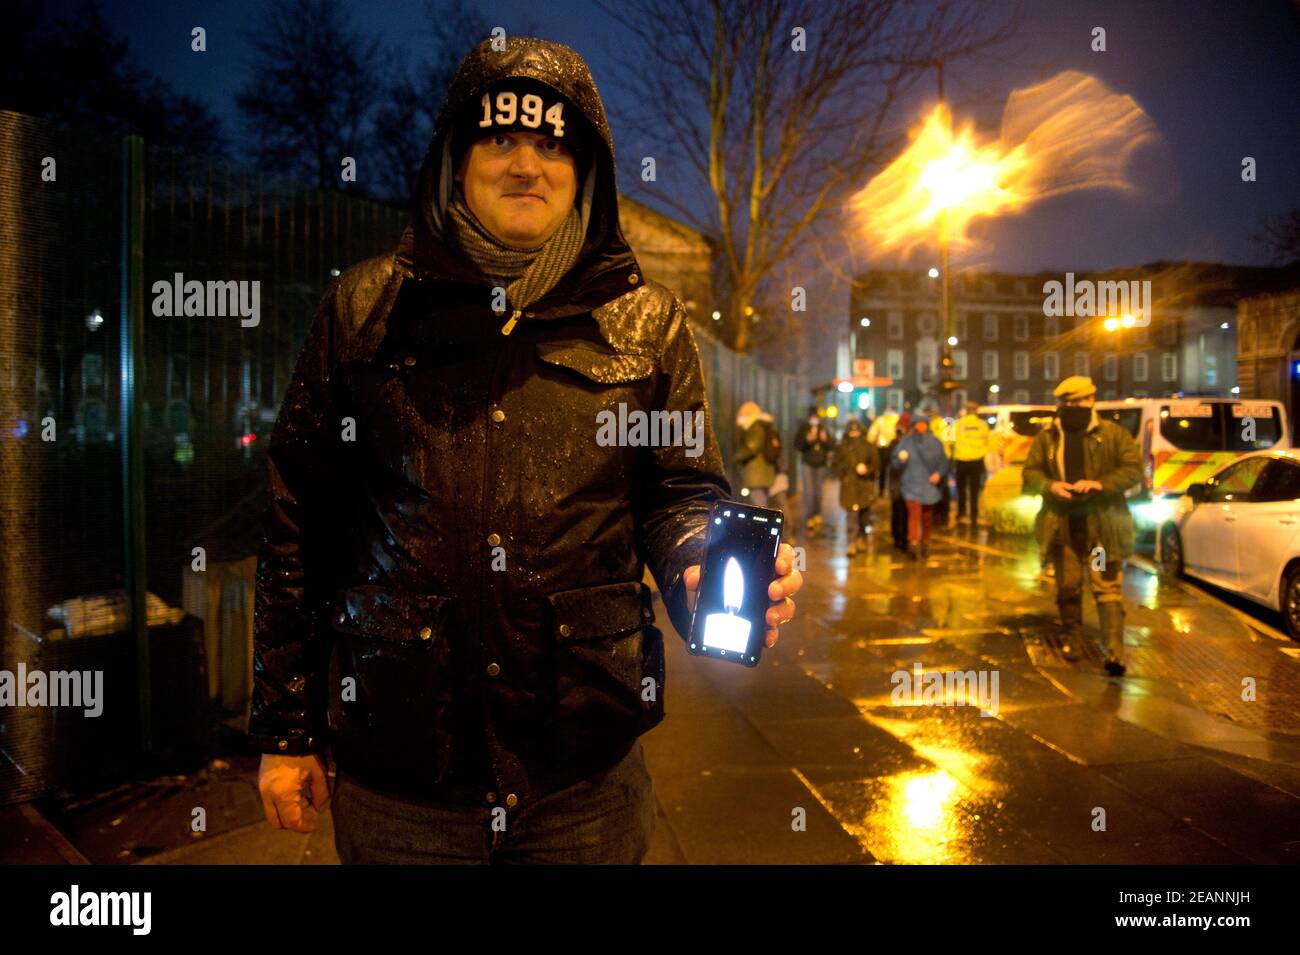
[{"x": 1082, "y": 465}]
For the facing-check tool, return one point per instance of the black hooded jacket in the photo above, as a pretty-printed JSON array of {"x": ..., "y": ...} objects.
[{"x": 449, "y": 594}]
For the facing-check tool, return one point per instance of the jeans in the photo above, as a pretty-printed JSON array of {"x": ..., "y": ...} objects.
[
  {"x": 810, "y": 491},
  {"x": 970, "y": 476},
  {"x": 606, "y": 819}
]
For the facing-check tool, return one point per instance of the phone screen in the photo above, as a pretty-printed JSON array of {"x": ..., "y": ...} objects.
[{"x": 730, "y": 620}]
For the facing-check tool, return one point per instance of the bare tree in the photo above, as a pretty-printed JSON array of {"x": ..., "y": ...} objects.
[
  {"x": 75, "y": 69},
  {"x": 781, "y": 109},
  {"x": 1279, "y": 238},
  {"x": 314, "y": 87},
  {"x": 404, "y": 120}
]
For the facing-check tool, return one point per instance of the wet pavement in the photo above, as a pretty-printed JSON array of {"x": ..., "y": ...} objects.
[
  {"x": 817, "y": 756},
  {"x": 1165, "y": 765}
]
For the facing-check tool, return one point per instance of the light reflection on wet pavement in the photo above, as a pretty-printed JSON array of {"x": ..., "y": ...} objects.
[{"x": 1178, "y": 767}]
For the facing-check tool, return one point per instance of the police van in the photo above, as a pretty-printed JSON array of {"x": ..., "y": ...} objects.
[
  {"x": 1186, "y": 439},
  {"x": 1011, "y": 432}
]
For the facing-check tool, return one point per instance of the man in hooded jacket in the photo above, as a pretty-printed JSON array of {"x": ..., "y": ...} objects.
[{"x": 449, "y": 594}]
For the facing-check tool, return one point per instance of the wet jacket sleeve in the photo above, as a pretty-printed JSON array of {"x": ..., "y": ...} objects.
[
  {"x": 1034, "y": 477},
  {"x": 676, "y": 485},
  {"x": 1128, "y": 464},
  {"x": 289, "y": 662}
]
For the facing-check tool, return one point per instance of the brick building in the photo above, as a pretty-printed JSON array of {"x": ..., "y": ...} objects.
[{"x": 1004, "y": 339}]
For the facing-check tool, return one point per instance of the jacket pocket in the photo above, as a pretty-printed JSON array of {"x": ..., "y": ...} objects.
[
  {"x": 390, "y": 679},
  {"x": 602, "y": 366},
  {"x": 609, "y": 666}
]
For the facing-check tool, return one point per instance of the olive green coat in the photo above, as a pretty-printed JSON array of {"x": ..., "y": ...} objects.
[{"x": 1110, "y": 456}]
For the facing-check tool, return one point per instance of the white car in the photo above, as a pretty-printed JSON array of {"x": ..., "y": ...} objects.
[{"x": 1240, "y": 530}]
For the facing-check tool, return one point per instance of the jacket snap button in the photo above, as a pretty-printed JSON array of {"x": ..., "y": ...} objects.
[
  {"x": 565, "y": 630},
  {"x": 408, "y": 361},
  {"x": 494, "y": 539},
  {"x": 491, "y": 797},
  {"x": 512, "y": 800},
  {"x": 283, "y": 744},
  {"x": 425, "y": 633},
  {"x": 498, "y": 415},
  {"x": 493, "y": 669},
  {"x": 631, "y": 279}
]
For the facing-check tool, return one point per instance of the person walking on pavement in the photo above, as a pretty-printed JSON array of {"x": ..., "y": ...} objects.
[
  {"x": 449, "y": 591},
  {"x": 882, "y": 434},
  {"x": 939, "y": 428},
  {"x": 1082, "y": 464},
  {"x": 970, "y": 445},
  {"x": 897, "y": 506},
  {"x": 857, "y": 465},
  {"x": 815, "y": 446},
  {"x": 758, "y": 449},
  {"x": 924, "y": 464}
]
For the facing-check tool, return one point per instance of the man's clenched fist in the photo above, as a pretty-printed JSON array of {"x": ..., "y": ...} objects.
[{"x": 293, "y": 790}]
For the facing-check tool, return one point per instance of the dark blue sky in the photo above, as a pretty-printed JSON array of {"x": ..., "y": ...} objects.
[{"x": 1220, "y": 79}]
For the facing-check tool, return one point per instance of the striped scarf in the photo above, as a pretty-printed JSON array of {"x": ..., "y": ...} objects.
[{"x": 526, "y": 274}]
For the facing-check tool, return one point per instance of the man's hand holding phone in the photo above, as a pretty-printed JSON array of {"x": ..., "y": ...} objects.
[{"x": 787, "y": 583}]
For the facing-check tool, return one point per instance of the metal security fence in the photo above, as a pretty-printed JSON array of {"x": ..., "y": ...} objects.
[
  {"x": 131, "y": 443},
  {"x": 733, "y": 378}
]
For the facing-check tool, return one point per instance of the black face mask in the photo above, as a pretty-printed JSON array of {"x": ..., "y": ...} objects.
[{"x": 1073, "y": 419}]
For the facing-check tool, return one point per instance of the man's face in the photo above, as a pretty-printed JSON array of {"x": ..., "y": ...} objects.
[
  {"x": 1087, "y": 402},
  {"x": 520, "y": 185}
]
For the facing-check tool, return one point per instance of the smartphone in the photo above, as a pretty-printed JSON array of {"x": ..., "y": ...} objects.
[{"x": 730, "y": 618}]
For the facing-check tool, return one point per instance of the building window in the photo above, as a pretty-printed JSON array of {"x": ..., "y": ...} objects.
[
  {"x": 927, "y": 356},
  {"x": 1081, "y": 363},
  {"x": 990, "y": 359},
  {"x": 990, "y": 327},
  {"x": 1020, "y": 396},
  {"x": 1211, "y": 371},
  {"x": 1049, "y": 396},
  {"x": 1140, "y": 366},
  {"x": 1108, "y": 395},
  {"x": 959, "y": 398},
  {"x": 895, "y": 320},
  {"x": 959, "y": 326},
  {"x": 894, "y": 399},
  {"x": 959, "y": 364},
  {"x": 1020, "y": 365},
  {"x": 894, "y": 363},
  {"x": 1051, "y": 366},
  {"x": 1169, "y": 366},
  {"x": 1051, "y": 326},
  {"x": 1110, "y": 368},
  {"x": 925, "y": 323},
  {"x": 1022, "y": 328}
]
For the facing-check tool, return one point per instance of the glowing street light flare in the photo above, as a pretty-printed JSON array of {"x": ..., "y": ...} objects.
[
  {"x": 1068, "y": 133},
  {"x": 1110, "y": 324}
]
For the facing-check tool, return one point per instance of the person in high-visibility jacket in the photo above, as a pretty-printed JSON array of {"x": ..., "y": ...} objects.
[
  {"x": 970, "y": 445},
  {"x": 882, "y": 432}
]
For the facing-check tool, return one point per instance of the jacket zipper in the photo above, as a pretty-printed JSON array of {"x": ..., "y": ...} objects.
[{"x": 509, "y": 326}]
